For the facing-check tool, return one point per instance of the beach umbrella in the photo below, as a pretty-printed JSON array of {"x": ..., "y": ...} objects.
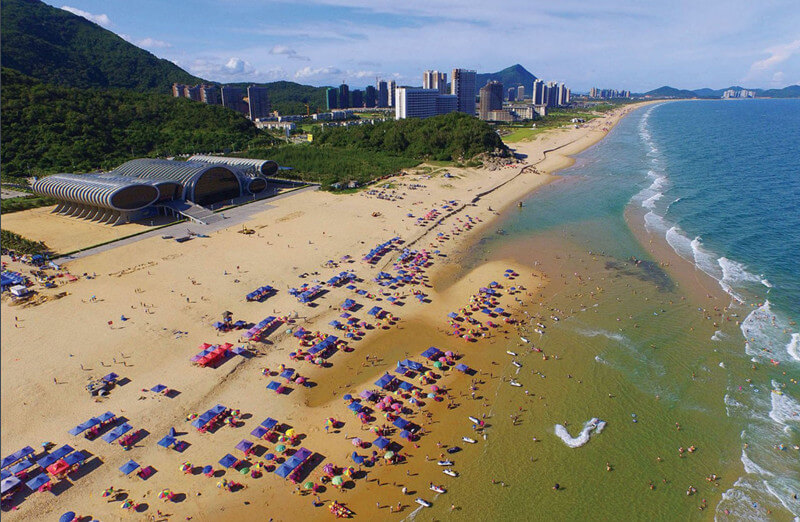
[
  {"x": 434, "y": 388},
  {"x": 292, "y": 354},
  {"x": 108, "y": 492},
  {"x": 337, "y": 480},
  {"x": 290, "y": 433},
  {"x": 431, "y": 395},
  {"x": 165, "y": 494},
  {"x": 437, "y": 364},
  {"x": 269, "y": 456},
  {"x": 69, "y": 516},
  {"x": 449, "y": 353},
  {"x": 348, "y": 397},
  {"x": 389, "y": 455},
  {"x": 280, "y": 448},
  {"x": 358, "y": 459},
  {"x": 207, "y": 470},
  {"x": 397, "y": 406},
  {"x": 127, "y": 504},
  {"x": 356, "y": 441},
  {"x": 308, "y": 485},
  {"x": 319, "y": 360}
]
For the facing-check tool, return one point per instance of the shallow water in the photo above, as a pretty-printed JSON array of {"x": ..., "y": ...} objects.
[{"x": 640, "y": 344}]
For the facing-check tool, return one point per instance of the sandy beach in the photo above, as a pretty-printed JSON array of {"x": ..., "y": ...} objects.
[{"x": 142, "y": 311}]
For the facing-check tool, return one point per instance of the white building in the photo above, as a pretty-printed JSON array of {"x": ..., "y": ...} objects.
[
  {"x": 423, "y": 103},
  {"x": 282, "y": 125},
  {"x": 435, "y": 80}
]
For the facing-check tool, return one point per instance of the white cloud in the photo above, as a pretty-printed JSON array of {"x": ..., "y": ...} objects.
[
  {"x": 152, "y": 43},
  {"x": 288, "y": 52},
  {"x": 309, "y": 72},
  {"x": 214, "y": 69},
  {"x": 777, "y": 54},
  {"x": 99, "y": 19}
]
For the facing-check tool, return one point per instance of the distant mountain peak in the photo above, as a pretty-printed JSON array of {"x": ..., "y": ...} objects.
[{"x": 512, "y": 76}]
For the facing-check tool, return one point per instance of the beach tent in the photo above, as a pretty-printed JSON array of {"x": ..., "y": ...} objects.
[
  {"x": 407, "y": 386},
  {"x": 462, "y": 368},
  {"x": 432, "y": 353},
  {"x": 244, "y": 446},
  {"x": 287, "y": 373},
  {"x": 158, "y": 388},
  {"x": 128, "y": 467},
  {"x": 375, "y": 310},
  {"x": 228, "y": 460},
  {"x": 20, "y": 466},
  {"x": 259, "y": 432},
  {"x": 117, "y": 432},
  {"x": 269, "y": 423},
  {"x": 9, "y": 484},
  {"x": 167, "y": 441},
  {"x": 79, "y": 457},
  {"x": 401, "y": 423},
  {"x": 381, "y": 442},
  {"x": 355, "y": 407},
  {"x": 111, "y": 377},
  {"x": 405, "y": 434},
  {"x": 21, "y": 454},
  {"x": 273, "y": 385},
  {"x": 38, "y": 481}
]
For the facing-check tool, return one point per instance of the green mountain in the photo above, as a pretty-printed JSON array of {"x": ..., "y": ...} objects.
[
  {"x": 58, "y": 47},
  {"x": 50, "y": 128},
  {"x": 792, "y": 91},
  {"x": 510, "y": 77},
  {"x": 670, "y": 92}
]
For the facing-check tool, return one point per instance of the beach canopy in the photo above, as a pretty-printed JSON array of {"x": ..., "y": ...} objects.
[
  {"x": 462, "y": 368},
  {"x": 128, "y": 467},
  {"x": 21, "y": 454},
  {"x": 158, "y": 388},
  {"x": 244, "y": 445},
  {"x": 259, "y": 432},
  {"x": 273, "y": 385},
  {"x": 401, "y": 423},
  {"x": 269, "y": 423},
  {"x": 228, "y": 460},
  {"x": 10, "y": 483},
  {"x": 20, "y": 466},
  {"x": 38, "y": 481},
  {"x": 355, "y": 407},
  {"x": 167, "y": 441},
  {"x": 75, "y": 458},
  {"x": 52, "y": 457},
  {"x": 432, "y": 353},
  {"x": 381, "y": 442}
]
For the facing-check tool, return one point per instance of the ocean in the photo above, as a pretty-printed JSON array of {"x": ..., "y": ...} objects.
[{"x": 670, "y": 388}]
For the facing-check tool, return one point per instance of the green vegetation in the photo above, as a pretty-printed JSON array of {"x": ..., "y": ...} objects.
[
  {"x": 48, "y": 129},
  {"x": 21, "y": 245},
  {"x": 329, "y": 165},
  {"x": 24, "y": 203},
  {"x": 365, "y": 152},
  {"x": 451, "y": 136},
  {"x": 58, "y": 47}
]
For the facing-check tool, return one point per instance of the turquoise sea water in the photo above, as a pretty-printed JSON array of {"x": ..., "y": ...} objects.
[{"x": 719, "y": 181}]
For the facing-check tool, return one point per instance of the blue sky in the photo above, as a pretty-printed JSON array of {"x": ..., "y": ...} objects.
[{"x": 636, "y": 45}]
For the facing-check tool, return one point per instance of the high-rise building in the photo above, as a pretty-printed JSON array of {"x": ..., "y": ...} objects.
[
  {"x": 258, "y": 99},
  {"x": 177, "y": 90},
  {"x": 357, "y": 95},
  {"x": 331, "y": 98},
  {"x": 370, "y": 96},
  {"x": 446, "y": 103},
  {"x": 539, "y": 93},
  {"x": 209, "y": 94},
  {"x": 521, "y": 92},
  {"x": 463, "y": 85},
  {"x": 491, "y": 99},
  {"x": 233, "y": 98},
  {"x": 192, "y": 92},
  {"x": 423, "y": 103},
  {"x": 383, "y": 93},
  {"x": 512, "y": 94},
  {"x": 392, "y": 89},
  {"x": 435, "y": 80},
  {"x": 344, "y": 96}
]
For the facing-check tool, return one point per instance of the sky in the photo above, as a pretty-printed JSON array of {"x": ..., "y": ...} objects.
[{"x": 636, "y": 45}]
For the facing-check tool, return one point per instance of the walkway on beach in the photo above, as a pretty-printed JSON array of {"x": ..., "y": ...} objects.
[{"x": 232, "y": 217}]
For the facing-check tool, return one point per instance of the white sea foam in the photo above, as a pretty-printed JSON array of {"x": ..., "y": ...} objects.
[
  {"x": 785, "y": 409},
  {"x": 752, "y": 467},
  {"x": 594, "y": 425},
  {"x": 654, "y": 223},
  {"x": 793, "y": 347}
]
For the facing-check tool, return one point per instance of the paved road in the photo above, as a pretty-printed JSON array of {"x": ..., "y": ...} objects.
[{"x": 232, "y": 217}]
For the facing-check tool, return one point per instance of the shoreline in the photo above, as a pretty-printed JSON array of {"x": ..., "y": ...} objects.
[{"x": 150, "y": 363}]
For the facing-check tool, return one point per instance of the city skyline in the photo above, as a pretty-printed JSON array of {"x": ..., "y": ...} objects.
[{"x": 328, "y": 42}]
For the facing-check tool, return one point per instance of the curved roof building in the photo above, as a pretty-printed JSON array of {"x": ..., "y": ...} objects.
[
  {"x": 108, "y": 192},
  {"x": 203, "y": 183},
  {"x": 258, "y": 166}
]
